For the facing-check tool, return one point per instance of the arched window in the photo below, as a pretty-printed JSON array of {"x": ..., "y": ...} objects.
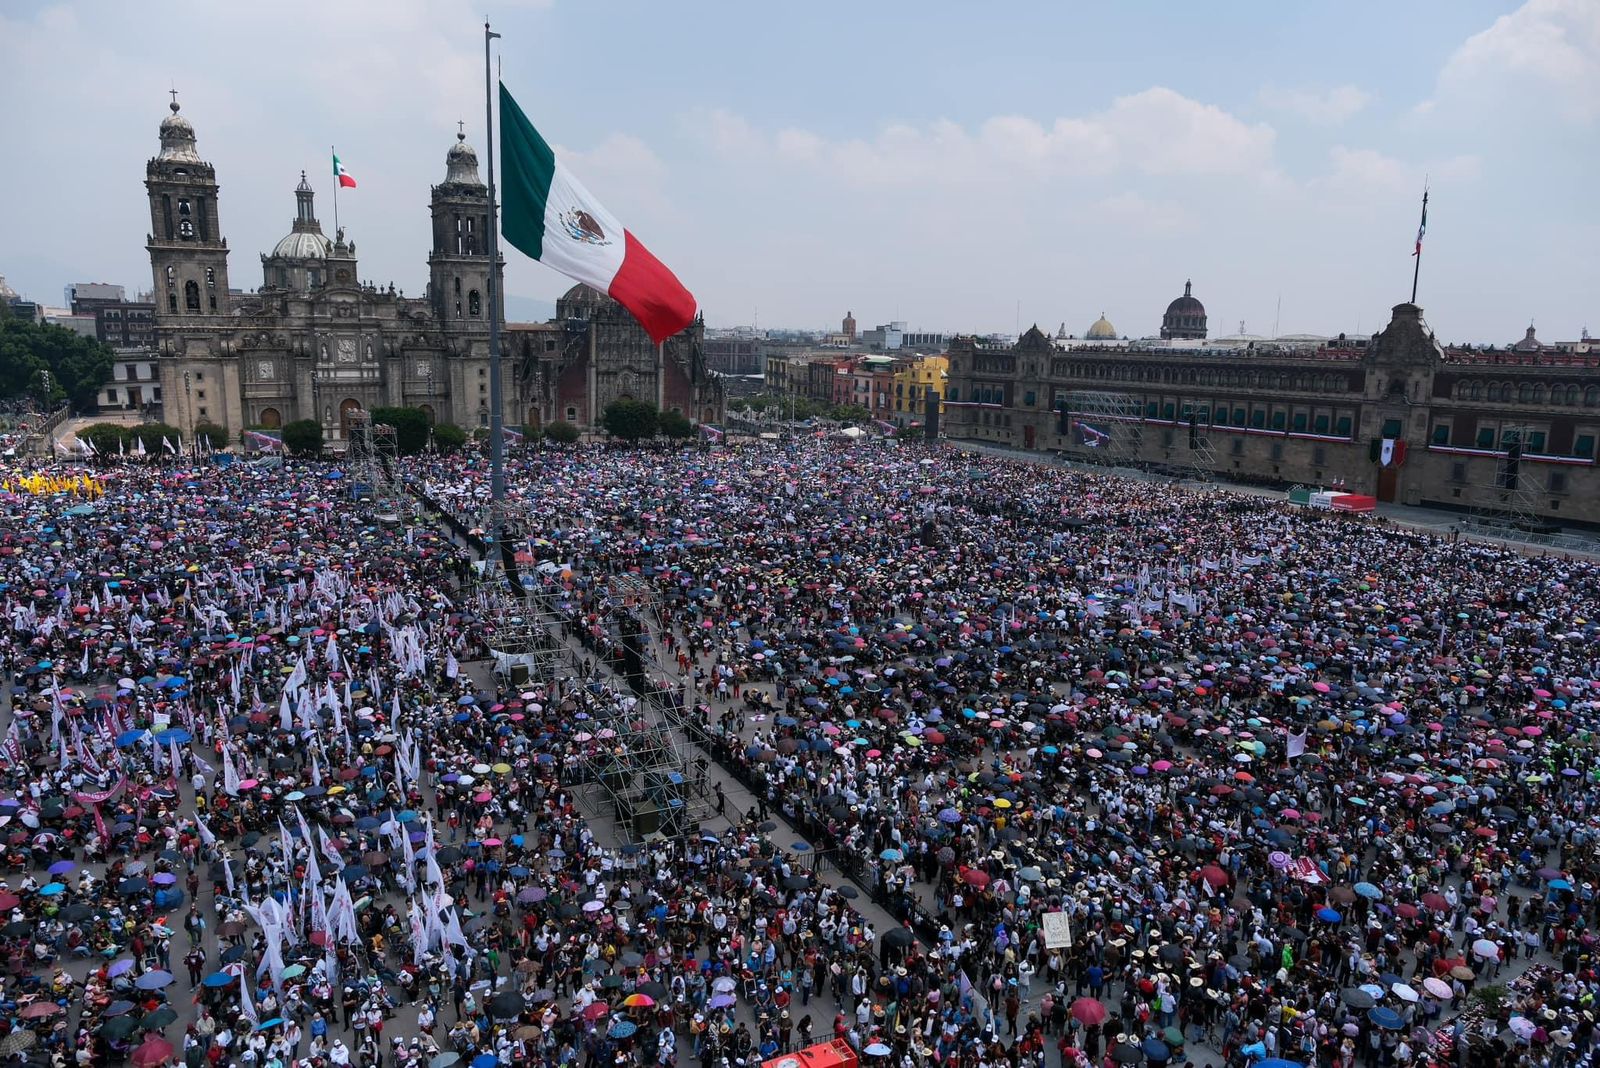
[
  {"x": 271, "y": 418},
  {"x": 1591, "y": 397},
  {"x": 1573, "y": 395},
  {"x": 474, "y": 305},
  {"x": 1530, "y": 393},
  {"x": 191, "y": 295}
]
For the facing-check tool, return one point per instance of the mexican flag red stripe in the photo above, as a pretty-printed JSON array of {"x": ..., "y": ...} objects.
[
  {"x": 550, "y": 216},
  {"x": 345, "y": 179}
]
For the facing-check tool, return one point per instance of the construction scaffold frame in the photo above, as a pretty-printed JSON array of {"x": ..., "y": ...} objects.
[
  {"x": 1514, "y": 498},
  {"x": 372, "y": 468},
  {"x": 1101, "y": 427},
  {"x": 518, "y": 618},
  {"x": 647, "y": 776},
  {"x": 1202, "y": 456}
]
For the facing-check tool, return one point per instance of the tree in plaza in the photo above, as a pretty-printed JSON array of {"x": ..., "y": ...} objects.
[
  {"x": 303, "y": 437},
  {"x": 675, "y": 425},
  {"x": 630, "y": 420},
  {"x": 210, "y": 433},
  {"x": 448, "y": 438},
  {"x": 152, "y": 435},
  {"x": 561, "y": 432},
  {"x": 410, "y": 427},
  {"x": 107, "y": 437}
]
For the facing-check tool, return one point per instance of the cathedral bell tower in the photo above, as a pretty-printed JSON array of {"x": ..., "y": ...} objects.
[
  {"x": 188, "y": 257},
  {"x": 458, "y": 266}
]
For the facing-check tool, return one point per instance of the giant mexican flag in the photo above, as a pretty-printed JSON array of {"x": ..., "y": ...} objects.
[{"x": 550, "y": 216}]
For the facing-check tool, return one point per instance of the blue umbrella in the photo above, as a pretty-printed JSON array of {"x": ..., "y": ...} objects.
[
  {"x": 1367, "y": 890},
  {"x": 153, "y": 980},
  {"x": 1327, "y": 915},
  {"x": 127, "y": 738},
  {"x": 620, "y": 1029},
  {"x": 1278, "y": 1062},
  {"x": 1154, "y": 1049},
  {"x": 485, "y": 1060},
  {"x": 267, "y": 1025},
  {"x": 51, "y": 889},
  {"x": 1385, "y": 1018},
  {"x": 175, "y": 734},
  {"x": 216, "y": 979}
]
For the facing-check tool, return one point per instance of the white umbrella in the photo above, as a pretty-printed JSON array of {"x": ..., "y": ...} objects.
[
  {"x": 1485, "y": 949},
  {"x": 1404, "y": 992},
  {"x": 1437, "y": 987}
]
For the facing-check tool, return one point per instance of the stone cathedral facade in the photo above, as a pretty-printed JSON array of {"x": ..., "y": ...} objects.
[{"x": 315, "y": 342}]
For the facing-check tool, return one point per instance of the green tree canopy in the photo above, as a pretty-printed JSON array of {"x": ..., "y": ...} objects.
[
  {"x": 448, "y": 437},
  {"x": 152, "y": 434},
  {"x": 78, "y": 365},
  {"x": 561, "y": 432},
  {"x": 303, "y": 437},
  {"x": 213, "y": 433},
  {"x": 630, "y": 420},
  {"x": 410, "y": 427},
  {"x": 675, "y": 425}
]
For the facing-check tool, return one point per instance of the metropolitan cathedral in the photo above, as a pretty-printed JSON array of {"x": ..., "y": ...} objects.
[{"x": 314, "y": 342}]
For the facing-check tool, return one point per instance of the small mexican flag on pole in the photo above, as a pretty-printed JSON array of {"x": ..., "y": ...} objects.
[{"x": 345, "y": 180}]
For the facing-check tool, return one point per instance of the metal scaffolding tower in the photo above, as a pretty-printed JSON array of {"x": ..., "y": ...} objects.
[
  {"x": 1100, "y": 427},
  {"x": 520, "y": 623},
  {"x": 1202, "y": 456},
  {"x": 372, "y": 468},
  {"x": 646, "y": 774},
  {"x": 1511, "y": 496}
]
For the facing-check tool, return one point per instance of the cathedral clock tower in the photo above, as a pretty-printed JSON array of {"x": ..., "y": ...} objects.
[{"x": 189, "y": 269}]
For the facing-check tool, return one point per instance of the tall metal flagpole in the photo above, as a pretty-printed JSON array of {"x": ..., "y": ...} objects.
[
  {"x": 336, "y": 183},
  {"x": 497, "y": 436},
  {"x": 1422, "y": 226}
]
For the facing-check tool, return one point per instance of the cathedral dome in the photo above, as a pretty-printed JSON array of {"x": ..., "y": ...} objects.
[
  {"x": 584, "y": 294},
  {"x": 1101, "y": 330},
  {"x": 303, "y": 245},
  {"x": 461, "y": 162},
  {"x": 1185, "y": 318},
  {"x": 177, "y": 138}
]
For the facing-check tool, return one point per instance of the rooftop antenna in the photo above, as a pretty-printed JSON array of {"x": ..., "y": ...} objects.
[
  {"x": 1241, "y": 326},
  {"x": 1277, "y": 315}
]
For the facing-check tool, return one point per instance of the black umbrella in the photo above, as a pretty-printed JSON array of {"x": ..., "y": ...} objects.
[
  {"x": 1357, "y": 998},
  {"x": 1126, "y": 1053},
  {"x": 898, "y": 938},
  {"x": 158, "y": 1019},
  {"x": 119, "y": 1027},
  {"x": 507, "y": 1006}
]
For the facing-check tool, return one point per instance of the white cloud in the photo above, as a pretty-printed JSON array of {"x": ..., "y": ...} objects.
[
  {"x": 1325, "y": 107},
  {"x": 1157, "y": 131},
  {"x": 1548, "y": 50},
  {"x": 1359, "y": 172},
  {"x": 1147, "y": 215}
]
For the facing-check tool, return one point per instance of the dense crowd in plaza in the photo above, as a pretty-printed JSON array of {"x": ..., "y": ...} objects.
[{"x": 1304, "y": 788}]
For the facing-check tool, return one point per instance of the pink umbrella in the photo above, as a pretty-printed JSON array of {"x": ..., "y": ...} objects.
[{"x": 1162, "y": 765}]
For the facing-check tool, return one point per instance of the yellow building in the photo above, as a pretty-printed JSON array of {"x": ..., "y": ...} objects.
[{"x": 913, "y": 378}]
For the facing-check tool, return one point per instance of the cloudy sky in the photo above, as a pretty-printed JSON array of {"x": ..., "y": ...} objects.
[{"x": 957, "y": 166}]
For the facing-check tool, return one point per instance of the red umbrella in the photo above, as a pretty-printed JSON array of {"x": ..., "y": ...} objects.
[
  {"x": 1215, "y": 876},
  {"x": 975, "y": 878},
  {"x": 1088, "y": 1012},
  {"x": 153, "y": 1052},
  {"x": 595, "y": 1010}
]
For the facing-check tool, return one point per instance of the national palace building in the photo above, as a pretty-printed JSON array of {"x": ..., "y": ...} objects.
[{"x": 1508, "y": 431}]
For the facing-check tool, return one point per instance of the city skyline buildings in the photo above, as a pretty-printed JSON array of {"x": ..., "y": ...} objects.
[{"x": 995, "y": 175}]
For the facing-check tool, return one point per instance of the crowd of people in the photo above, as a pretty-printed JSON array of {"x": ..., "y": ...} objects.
[{"x": 1046, "y": 768}]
